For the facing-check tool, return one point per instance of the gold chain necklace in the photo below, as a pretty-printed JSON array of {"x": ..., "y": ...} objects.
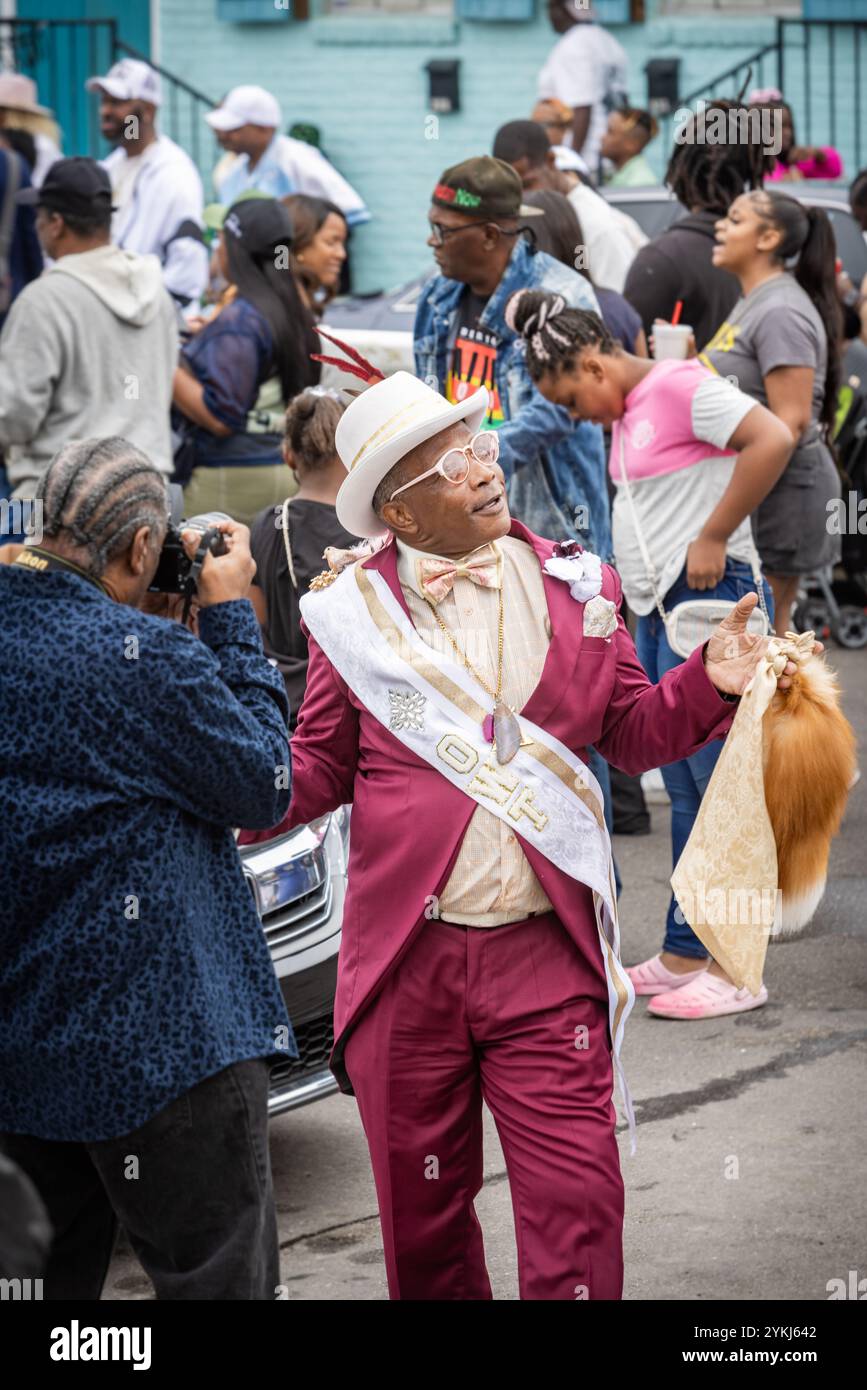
[
  {"x": 505, "y": 731},
  {"x": 495, "y": 695}
]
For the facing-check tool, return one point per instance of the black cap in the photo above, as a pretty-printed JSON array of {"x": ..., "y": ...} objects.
[
  {"x": 483, "y": 187},
  {"x": 77, "y": 186},
  {"x": 260, "y": 224}
]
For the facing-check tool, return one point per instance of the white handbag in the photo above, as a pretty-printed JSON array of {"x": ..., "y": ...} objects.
[{"x": 692, "y": 623}]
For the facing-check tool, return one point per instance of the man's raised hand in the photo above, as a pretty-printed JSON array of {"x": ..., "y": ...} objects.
[{"x": 733, "y": 653}]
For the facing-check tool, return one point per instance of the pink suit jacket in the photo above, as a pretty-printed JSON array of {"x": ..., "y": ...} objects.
[{"x": 408, "y": 821}]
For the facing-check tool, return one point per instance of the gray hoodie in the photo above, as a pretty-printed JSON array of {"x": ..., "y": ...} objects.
[{"x": 89, "y": 349}]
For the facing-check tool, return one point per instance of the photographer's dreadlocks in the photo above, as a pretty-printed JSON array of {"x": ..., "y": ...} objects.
[
  {"x": 708, "y": 176},
  {"x": 100, "y": 491}
]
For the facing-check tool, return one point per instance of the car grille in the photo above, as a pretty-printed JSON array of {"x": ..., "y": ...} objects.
[
  {"x": 299, "y": 916},
  {"x": 315, "y": 1041}
]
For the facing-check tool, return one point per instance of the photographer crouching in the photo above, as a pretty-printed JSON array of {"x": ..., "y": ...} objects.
[{"x": 139, "y": 1009}]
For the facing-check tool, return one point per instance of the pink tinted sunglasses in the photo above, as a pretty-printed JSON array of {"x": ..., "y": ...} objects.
[{"x": 455, "y": 465}]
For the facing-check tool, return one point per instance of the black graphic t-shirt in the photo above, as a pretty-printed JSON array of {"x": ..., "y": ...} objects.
[{"x": 472, "y": 357}]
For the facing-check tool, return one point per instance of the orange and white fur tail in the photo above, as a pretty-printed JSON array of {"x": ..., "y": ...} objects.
[{"x": 809, "y": 765}]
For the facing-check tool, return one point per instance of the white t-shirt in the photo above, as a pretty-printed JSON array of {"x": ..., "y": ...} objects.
[
  {"x": 587, "y": 67},
  {"x": 611, "y": 237},
  {"x": 123, "y": 176},
  {"x": 155, "y": 194},
  {"x": 676, "y": 480}
]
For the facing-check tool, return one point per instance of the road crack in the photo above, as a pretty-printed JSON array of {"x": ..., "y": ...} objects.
[{"x": 808, "y": 1050}]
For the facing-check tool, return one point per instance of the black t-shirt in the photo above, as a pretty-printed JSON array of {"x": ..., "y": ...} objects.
[
  {"x": 312, "y": 526},
  {"x": 472, "y": 356},
  {"x": 678, "y": 265}
]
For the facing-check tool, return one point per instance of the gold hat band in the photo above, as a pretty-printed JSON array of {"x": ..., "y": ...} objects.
[{"x": 398, "y": 415}]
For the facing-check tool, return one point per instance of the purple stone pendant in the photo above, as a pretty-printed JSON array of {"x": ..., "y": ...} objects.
[{"x": 507, "y": 732}]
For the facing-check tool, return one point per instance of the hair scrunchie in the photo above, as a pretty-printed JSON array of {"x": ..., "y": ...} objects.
[
  {"x": 532, "y": 329},
  {"x": 550, "y": 310},
  {"x": 512, "y": 310}
]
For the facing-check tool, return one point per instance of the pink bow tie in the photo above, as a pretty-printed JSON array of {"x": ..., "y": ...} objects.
[{"x": 436, "y": 577}]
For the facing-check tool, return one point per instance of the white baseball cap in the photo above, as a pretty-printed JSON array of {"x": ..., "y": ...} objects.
[
  {"x": 246, "y": 106},
  {"x": 129, "y": 80}
]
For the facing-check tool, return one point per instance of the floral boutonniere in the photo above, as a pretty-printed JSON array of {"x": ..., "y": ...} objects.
[{"x": 581, "y": 569}]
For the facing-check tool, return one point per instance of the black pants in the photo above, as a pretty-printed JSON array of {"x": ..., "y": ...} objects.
[{"x": 191, "y": 1187}]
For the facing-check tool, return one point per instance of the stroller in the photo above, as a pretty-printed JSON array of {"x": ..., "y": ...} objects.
[{"x": 830, "y": 602}]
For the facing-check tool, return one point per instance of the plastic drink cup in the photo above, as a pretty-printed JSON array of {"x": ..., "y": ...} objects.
[{"x": 671, "y": 340}]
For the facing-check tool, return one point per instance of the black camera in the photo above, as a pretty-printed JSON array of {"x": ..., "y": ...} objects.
[{"x": 176, "y": 573}]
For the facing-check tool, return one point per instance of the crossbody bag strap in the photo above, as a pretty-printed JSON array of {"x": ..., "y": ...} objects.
[
  {"x": 642, "y": 544},
  {"x": 284, "y": 519},
  {"x": 755, "y": 561}
]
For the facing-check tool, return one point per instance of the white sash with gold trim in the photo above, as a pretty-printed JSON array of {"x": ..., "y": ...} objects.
[{"x": 435, "y": 706}]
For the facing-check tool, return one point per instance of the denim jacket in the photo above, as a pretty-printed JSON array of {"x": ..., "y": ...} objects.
[{"x": 553, "y": 465}]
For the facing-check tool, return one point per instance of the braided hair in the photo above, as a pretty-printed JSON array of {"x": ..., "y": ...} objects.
[
  {"x": 707, "y": 175},
  {"x": 553, "y": 332},
  {"x": 100, "y": 491}
]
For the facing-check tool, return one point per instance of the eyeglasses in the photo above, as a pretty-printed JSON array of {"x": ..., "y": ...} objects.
[
  {"x": 455, "y": 465},
  {"x": 440, "y": 233}
]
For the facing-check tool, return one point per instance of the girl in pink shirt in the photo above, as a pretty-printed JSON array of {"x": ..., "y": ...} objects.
[{"x": 699, "y": 456}]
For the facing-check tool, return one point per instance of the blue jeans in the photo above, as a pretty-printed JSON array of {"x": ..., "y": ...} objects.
[{"x": 685, "y": 781}]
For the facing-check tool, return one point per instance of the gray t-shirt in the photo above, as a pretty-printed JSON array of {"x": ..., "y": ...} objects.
[{"x": 775, "y": 325}]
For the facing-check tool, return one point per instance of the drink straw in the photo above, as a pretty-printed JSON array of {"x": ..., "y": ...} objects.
[{"x": 678, "y": 310}]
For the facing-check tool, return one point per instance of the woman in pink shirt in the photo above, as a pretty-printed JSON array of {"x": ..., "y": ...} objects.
[
  {"x": 796, "y": 161},
  {"x": 699, "y": 456}
]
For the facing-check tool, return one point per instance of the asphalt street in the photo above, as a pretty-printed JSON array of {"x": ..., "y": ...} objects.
[{"x": 781, "y": 1090}]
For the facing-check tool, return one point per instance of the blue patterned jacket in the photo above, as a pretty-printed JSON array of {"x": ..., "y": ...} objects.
[
  {"x": 552, "y": 463},
  {"x": 132, "y": 960}
]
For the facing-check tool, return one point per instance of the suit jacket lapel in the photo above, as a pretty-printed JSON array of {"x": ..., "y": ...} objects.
[
  {"x": 564, "y": 614},
  {"x": 385, "y": 563}
]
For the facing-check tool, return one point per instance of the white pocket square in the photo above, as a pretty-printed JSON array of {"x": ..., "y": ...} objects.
[{"x": 600, "y": 617}]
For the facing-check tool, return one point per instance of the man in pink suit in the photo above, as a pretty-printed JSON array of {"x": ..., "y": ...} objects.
[{"x": 457, "y": 676}]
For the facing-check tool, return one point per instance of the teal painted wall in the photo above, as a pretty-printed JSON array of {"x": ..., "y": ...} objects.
[
  {"x": 67, "y": 55},
  {"x": 362, "y": 81}
]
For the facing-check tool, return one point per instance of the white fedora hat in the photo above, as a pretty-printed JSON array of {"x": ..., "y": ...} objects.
[{"x": 379, "y": 428}]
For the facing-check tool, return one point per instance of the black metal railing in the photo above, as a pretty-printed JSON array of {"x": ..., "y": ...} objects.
[
  {"x": 821, "y": 60},
  {"x": 60, "y": 55},
  {"x": 759, "y": 69}
]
